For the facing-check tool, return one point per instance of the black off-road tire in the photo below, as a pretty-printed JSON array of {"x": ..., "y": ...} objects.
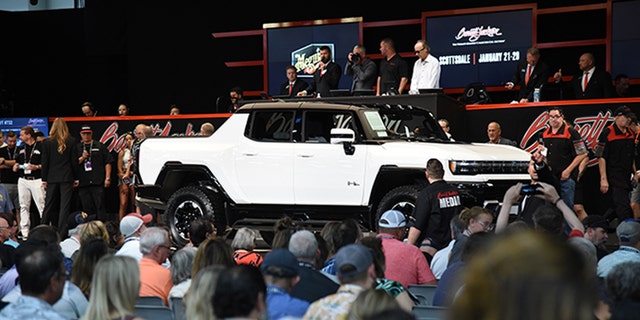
[
  {"x": 188, "y": 204},
  {"x": 402, "y": 198}
]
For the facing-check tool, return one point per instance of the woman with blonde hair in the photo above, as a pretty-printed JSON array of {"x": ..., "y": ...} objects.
[
  {"x": 214, "y": 251},
  {"x": 371, "y": 302},
  {"x": 94, "y": 229},
  {"x": 526, "y": 276},
  {"x": 115, "y": 283},
  {"x": 199, "y": 298},
  {"x": 125, "y": 176},
  {"x": 59, "y": 175},
  {"x": 474, "y": 219}
]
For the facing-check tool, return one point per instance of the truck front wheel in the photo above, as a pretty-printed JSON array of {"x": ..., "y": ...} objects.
[
  {"x": 402, "y": 198},
  {"x": 188, "y": 204}
]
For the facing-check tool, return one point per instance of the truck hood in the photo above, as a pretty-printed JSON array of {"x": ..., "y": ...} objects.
[{"x": 459, "y": 151}]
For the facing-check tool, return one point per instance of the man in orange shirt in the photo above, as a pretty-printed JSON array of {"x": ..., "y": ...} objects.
[{"x": 155, "y": 280}]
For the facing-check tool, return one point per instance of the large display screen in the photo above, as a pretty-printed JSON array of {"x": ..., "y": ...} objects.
[
  {"x": 482, "y": 47},
  {"x": 299, "y": 46},
  {"x": 15, "y": 124},
  {"x": 625, "y": 39}
]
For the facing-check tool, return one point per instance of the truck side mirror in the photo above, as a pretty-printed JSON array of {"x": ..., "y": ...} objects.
[
  {"x": 346, "y": 137},
  {"x": 339, "y": 135}
]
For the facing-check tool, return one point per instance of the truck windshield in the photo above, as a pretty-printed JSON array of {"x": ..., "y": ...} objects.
[{"x": 404, "y": 122}]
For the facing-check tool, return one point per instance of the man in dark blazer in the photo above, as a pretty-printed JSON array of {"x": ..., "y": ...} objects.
[
  {"x": 537, "y": 71},
  {"x": 598, "y": 82},
  {"x": 326, "y": 76},
  {"x": 293, "y": 85}
]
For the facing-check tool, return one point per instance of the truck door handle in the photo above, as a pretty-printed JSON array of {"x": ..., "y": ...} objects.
[
  {"x": 250, "y": 154},
  {"x": 305, "y": 155}
]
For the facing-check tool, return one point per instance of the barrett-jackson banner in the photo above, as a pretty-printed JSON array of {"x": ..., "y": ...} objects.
[
  {"x": 523, "y": 123},
  {"x": 111, "y": 130}
]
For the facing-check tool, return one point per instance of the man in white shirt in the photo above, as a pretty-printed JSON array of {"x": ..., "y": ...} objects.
[
  {"x": 131, "y": 226},
  {"x": 426, "y": 70}
]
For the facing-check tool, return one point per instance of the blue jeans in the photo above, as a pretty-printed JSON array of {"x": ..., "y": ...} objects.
[{"x": 567, "y": 191}]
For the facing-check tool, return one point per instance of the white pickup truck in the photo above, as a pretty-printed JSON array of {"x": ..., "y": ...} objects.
[{"x": 315, "y": 162}]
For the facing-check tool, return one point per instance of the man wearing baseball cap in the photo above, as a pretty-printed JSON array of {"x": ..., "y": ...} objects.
[
  {"x": 131, "y": 226},
  {"x": 405, "y": 263},
  {"x": 94, "y": 160},
  {"x": 281, "y": 273},
  {"x": 628, "y": 232},
  {"x": 596, "y": 229},
  {"x": 615, "y": 152},
  {"x": 355, "y": 270}
]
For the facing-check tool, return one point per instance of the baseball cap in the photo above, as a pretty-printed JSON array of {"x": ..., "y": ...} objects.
[
  {"x": 280, "y": 263},
  {"x": 595, "y": 221},
  {"x": 132, "y": 222},
  {"x": 628, "y": 231},
  {"x": 392, "y": 219},
  {"x": 355, "y": 255},
  {"x": 77, "y": 218},
  {"x": 85, "y": 128},
  {"x": 623, "y": 111}
]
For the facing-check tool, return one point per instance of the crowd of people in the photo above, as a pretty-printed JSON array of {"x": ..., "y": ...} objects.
[{"x": 538, "y": 246}]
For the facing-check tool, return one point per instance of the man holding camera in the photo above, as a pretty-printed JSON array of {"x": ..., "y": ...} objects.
[{"x": 363, "y": 70}]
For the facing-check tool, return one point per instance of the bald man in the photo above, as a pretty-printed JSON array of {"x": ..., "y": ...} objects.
[{"x": 495, "y": 135}]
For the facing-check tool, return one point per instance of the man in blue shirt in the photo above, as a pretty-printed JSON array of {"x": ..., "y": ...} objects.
[
  {"x": 41, "y": 287},
  {"x": 628, "y": 231},
  {"x": 281, "y": 274}
]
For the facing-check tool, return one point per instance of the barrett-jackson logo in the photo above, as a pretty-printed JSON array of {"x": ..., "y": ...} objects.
[
  {"x": 476, "y": 33},
  {"x": 115, "y": 142},
  {"x": 589, "y": 128}
]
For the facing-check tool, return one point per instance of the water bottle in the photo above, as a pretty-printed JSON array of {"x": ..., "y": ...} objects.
[{"x": 536, "y": 95}]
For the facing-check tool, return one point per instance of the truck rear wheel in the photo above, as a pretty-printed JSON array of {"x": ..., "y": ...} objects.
[
  {"x": 401, "y": 198},
  {"x": 188, "y": 204}
]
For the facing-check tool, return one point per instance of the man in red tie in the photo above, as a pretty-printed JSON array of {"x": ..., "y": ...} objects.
[
  {"x": 590, "y": 82},
  {"x": 293, "y": 85},
  {"x": 531, "y": 73}
]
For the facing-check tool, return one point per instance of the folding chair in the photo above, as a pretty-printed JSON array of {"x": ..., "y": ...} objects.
[
  {"x": 154, "y": 312},
  {"x": 429, "y": 312},
  {"x": 177, "y": 306},
  {"x": 423, "y": 292},
  {"x": 149, "y": 301}
]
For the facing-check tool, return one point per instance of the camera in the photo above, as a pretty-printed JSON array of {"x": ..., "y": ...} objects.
[
  {"x": 530, "y": 189},
  {"x": 355, "y": 58}
]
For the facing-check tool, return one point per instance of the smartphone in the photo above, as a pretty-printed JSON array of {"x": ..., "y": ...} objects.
[{"x": 530, "y": 189}]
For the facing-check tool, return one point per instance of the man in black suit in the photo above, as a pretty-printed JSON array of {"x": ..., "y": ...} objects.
[
  {"x": 293, "y": 85},
  {"x": 590, "y": 82},
  {"x": 326, "y": 76},
  {"x": 531, "y": 73}
]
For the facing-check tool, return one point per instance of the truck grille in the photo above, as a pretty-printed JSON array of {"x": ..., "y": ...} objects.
[{"x": 463, "y": 167}]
